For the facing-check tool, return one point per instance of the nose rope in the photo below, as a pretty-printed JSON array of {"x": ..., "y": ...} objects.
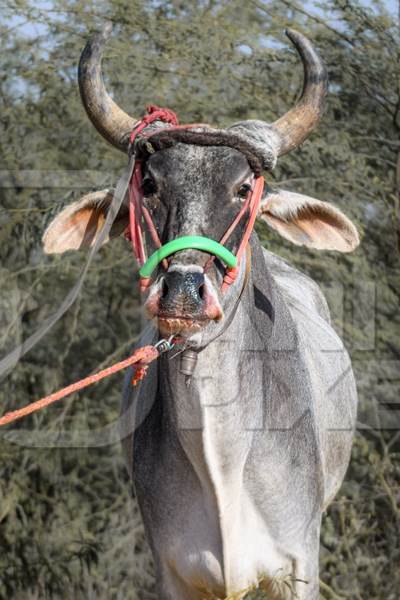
[
  {"x": 138, "y": 213},
  {"x": 140, "y": 359}
]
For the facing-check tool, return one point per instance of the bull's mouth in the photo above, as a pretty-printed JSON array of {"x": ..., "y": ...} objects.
[
  {"x": 179, "y": 317},
  {"x": 180, "y": 325}
]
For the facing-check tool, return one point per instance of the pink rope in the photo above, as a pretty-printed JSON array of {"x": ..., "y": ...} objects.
[{"x": 143, "y": 356}]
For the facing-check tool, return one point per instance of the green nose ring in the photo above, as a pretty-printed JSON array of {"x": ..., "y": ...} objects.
[{"x": 194, "y": 242}]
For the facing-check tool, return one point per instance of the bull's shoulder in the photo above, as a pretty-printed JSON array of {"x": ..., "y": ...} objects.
[{"x": 297, "y": 287}]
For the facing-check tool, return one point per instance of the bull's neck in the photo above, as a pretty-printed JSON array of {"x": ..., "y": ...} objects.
[
  {"x": 222, "y": 404},
  {"x": 216, "y": 417}
]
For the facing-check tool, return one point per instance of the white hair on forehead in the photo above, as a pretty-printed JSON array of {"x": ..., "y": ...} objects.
[{"x": 178, "y": 268}]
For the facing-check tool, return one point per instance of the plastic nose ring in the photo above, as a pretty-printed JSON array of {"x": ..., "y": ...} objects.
[{"x": 184, "y": 243}]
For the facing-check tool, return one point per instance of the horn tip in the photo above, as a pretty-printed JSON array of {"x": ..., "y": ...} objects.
[
  {"x": 95, "y": 44},
  {"x": 293, "y": 35},
  {"x": 107, "y": 29},
  {"x": 102, "y": 36}
]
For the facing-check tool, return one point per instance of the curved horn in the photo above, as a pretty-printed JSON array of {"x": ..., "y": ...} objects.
[
  {"x": 296, "y": 125},
  {"x": 110, "y": 121}
]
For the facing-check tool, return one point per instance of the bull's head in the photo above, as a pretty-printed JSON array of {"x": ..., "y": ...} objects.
[{"x": 191, "y": 189}]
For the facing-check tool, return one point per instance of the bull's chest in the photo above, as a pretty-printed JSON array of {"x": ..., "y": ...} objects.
[{"x": 218, "y": 539}]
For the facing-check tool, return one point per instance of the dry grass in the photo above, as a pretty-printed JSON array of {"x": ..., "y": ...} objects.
[{"x": 264, "y": 589}]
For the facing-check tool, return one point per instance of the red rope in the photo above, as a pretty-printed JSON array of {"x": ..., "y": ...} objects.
[
  {"x": 154, "y": 113},
  {"x": 136, "y": 212},
  {"x": 143, "y": 356},
  {"x": 253, "y": 204},
  {"x": 135, "y": 215}
]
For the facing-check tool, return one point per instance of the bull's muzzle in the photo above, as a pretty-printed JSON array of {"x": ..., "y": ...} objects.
[{"x": 183, "y": 301}]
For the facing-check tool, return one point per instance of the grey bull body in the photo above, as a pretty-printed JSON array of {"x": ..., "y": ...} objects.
[
  {"x": 234, "y": 464},
  {"x": 233, "y": 472}
]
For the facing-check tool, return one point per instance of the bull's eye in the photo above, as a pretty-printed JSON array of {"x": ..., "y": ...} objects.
[
  {"x": 244, "y": 190},
  {"x": 149, "y": 187}
]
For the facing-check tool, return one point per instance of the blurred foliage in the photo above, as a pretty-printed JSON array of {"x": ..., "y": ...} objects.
[{"x": 68, "y": 526}]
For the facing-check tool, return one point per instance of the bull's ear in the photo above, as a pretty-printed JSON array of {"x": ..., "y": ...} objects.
[
  {"x": 79, "y": 224},
  {"x": 308, "y": 222}
]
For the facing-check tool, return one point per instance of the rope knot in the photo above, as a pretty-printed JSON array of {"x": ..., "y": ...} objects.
[
  {"x": 160, "y": 114},
  {"x": 154, "y": 113}
]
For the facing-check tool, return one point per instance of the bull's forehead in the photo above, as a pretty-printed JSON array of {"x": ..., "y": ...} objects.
[
  {"x": 206, "y": 166},
  {"x": 197, "y": 185}
]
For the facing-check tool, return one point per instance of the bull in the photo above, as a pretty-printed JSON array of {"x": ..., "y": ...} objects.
[{"x": 238, "y": 444}]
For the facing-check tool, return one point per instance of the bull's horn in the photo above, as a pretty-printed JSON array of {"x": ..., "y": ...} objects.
[
  {"x": 110, "y": 121},
  {"x": 296, "y": 125}
]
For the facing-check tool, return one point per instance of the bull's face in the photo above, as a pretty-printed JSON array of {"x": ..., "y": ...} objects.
[
  {"x": 192, "y": 190},
  {"x": 196, "y": 190}
]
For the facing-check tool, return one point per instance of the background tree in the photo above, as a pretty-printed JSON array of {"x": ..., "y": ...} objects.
[{"x": 67, "y": 524}]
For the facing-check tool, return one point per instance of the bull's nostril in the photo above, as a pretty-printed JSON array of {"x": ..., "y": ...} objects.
[
  {"x": 186, "y": 289},
  {"x": 164, "y": 289}
]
